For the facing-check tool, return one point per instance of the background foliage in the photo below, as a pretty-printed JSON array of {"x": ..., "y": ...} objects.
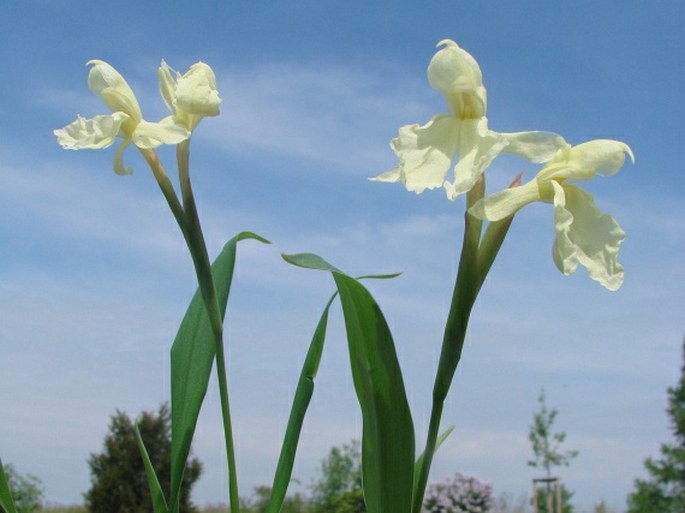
[
  {"x": 27, "y": 491},
  {"x": 664, "y": 490},
  {"x": 118, "y": 480}
]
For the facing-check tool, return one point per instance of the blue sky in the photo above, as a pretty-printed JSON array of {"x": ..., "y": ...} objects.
[{"x": 94, "y": 277}]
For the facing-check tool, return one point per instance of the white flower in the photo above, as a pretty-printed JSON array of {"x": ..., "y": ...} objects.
[
  {"x": 126, "y": 120},
  {"x": 583, "y": 234},
  {"x": 426, "y": 152},
  {"x": 192, "y": 96}
]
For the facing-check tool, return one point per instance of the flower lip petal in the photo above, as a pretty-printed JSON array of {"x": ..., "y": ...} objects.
[{"x": 586, "y": 236}]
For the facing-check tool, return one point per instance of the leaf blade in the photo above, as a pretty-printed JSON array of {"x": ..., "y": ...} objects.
[
  {"x": 159, "y": 504},
  {"x": 6, "y": 501},
  {"x": 192, "y": 357},
  {"x": 388, "y": 432},
  {"x": 303, "y": 395}
]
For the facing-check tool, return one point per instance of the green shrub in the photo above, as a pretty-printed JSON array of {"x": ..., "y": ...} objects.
[{"x": 118, "y": 480}]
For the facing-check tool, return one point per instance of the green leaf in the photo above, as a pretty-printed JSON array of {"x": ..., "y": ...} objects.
[
  {"x": 6, "y": 502},
  {"x": 419, "y": 462},
  {"x": 303, "y": 395},
  {"x": 192, "y": 356},
  {"x": 310, "y": 261},
  {"x": 158, "y": 502},
  {"x": 388, "y": 431}
]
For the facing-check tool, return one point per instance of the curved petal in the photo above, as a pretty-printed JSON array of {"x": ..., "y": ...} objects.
[
  {"x": 598, "y": 157},
  {"x": 196, "y": 91},
  {"x": 456, "y": 74},
  {"x": 505, "y": 203},
  {"x": 476, "y": 148},
  {"x": 167, "y": 85},
  {"x": 108, "y": 83},
  {"x": 425, "y": 154},
  {"x": 586, "y": 236},
  {"x": 150, "y": 135},
  {"x": 564, "y": 251},
  {"x": 118, "y": 165},
  {"x": 534, "y": 146},
  {"x": 96, "y": 133}
]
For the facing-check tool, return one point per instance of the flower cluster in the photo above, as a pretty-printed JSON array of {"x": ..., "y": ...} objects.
[
  {"x": 426, "y": 154},
  {"x": 460, "y": 494},
  {"x": 190, "y": 97}
]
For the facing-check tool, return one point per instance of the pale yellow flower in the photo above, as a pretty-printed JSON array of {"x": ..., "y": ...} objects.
[
  {"x": 126, "y": 120},
  {"x": 583, "y": 234},
  {"x": 191, "y": 96},
  {"x": 426, "y": 153}
]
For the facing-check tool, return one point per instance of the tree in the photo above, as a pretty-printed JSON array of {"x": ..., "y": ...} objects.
[
  {"x": 546, "y": 447},
  {"x": 118, "y": 479},
  {"x": 340, "y": 488},
  {"x": 664, "y": 490},
  {"x": 292, "y": 504},
  {"x": 27, "y": 491}
]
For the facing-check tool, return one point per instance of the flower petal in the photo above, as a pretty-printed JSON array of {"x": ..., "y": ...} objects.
[
  {"x": 598, "y": 157},
  {"x": 586, "y": 236},
  {"x": 196, "y": 91},
  {"x": 107, "y": 83},
  {"x": 505, "y": 203},
  {"x": 456, "y": 74},
  {"x": 118, "y": 165},
  {"x": 96, "y": 133},
  {"x": 534, "y": 146},
  {"x": 167, "y": 85},
  {"x": 476, "y": 148},
  {"x": 425, "y": 154},
  {"x": 150, "y": 135}
]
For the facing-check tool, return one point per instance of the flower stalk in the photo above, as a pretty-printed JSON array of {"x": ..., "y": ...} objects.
[{"x": 192, "y": 231}]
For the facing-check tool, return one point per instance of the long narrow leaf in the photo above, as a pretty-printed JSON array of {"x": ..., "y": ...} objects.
[
  {"x": 159, "y": 504},
  {"x": 388, "y": 431},
  {"x": 419, "y": 462},
  {"x": 303, "y": 395},
  {"x": 192, "y": 356},
  {"x": 6, "y": 501}
]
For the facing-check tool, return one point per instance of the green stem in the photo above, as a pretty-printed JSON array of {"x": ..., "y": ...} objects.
[
  {"x": 198, "y": 249},
  {"x": 463, "y": 297},
  {"x": 476, "y": 259}
]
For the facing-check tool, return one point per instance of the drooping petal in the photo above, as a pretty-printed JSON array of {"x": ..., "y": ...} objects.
[
  {"x": 476, "y": 148},
  {"x": 586, "y": 236},
  {"x": 534, "y": 146},
  {"x": 118, "y": 165},
  {"x": 564, "y": 250},
  {"x": 108, "y": 83},
  {"x": 505, "y": 203},
  {"x": 598, "y": 157},
  {"x": 425, "y": 154},
  {"x": 456, "y": 74},
  {"x": 96, "y": 133},
  {"x": 167, "y": 131},
  {"x": 196, "y": 92}
]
